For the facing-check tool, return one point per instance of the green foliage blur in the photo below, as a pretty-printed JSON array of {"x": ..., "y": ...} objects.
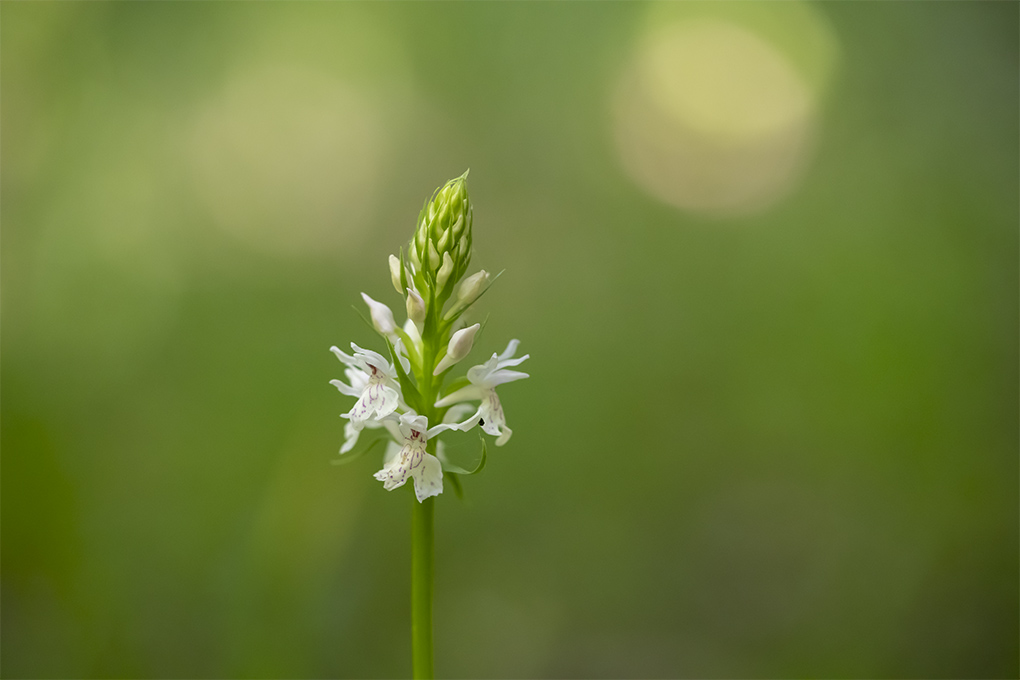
[{"x": 773, "y": 441}]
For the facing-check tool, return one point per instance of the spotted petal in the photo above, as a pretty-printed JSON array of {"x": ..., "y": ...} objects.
[{"x": 377, "y": 401}]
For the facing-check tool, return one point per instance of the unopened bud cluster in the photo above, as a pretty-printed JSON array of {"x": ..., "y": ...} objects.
[{"x": 441, "y": 248}]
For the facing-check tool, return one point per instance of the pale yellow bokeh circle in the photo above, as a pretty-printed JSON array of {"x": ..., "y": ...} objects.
[
  {"x": 721, "y": 80},
  {"x": 713, "y": 117},
  {"x": 288, "y": 160}
]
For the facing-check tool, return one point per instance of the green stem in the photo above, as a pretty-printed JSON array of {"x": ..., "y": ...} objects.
[
  {"x": 423, "y": 514},
  {"x": 422, "y": 562}
]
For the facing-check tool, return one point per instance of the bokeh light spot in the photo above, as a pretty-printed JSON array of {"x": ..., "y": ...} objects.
[
  {"x": 288, "y": 161},
  {"x": 713, "y": 118}
]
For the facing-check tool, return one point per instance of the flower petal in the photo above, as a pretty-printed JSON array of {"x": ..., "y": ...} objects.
[
  {"x": 428, "y": 478},
  {"x": 345, "y": 388},
  {"x": 376, "y": 401},
  {"x": 412, "y": 421},
  {"x": 503, "y": 363},
  {"x": 373, "y": 359},
  {"x": 511, "y": 349},
  {"x": 352, "y": 431},
  {"x": 503, "y": 376},
  {"x": 346, "y": 358},
  {"x": 401, "y": 352},
  {"x": 441, "y": 427},
  {"x": 478, "y": 374},
  {"x": 395, "y": 474}
]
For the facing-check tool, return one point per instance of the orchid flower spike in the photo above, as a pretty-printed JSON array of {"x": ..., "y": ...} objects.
[{"x": 484, "y": 379}]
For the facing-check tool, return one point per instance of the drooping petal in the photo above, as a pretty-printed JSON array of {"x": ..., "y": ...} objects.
[
  {"x": 352, "y": 431},
  {"x": 491, "y": 410},
  {"x": 493, "y": 420},
  {"x": 491, "y": 427},
  {"x": 428, "y": 478},
  {"x": 395, "y": 473},
  {"x": 505, "y": 437},
  {"x": 412, "y": 461}
]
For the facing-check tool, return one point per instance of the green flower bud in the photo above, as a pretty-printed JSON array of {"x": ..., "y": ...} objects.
[
  {"x": 395, "y": 274},
  {"x": 472, "y": 287},
  {"x": 416, "y": 309},
  {"x": 443, "y": 275},
  {"x": 459, "y": 347},
  {"x": 441, "y": 246}
]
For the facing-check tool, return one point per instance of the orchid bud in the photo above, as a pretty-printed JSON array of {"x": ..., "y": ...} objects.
[
  {"x": 382, "y": 317},
  {"x": 459, "y": 347},
  {"x": 395, "y": 273},
  {"x": 472, "y": 287},
  {"x": 444, "y": 272},
  {"x": 415, "y": 307},
  {"x": 434, "y": 258}
]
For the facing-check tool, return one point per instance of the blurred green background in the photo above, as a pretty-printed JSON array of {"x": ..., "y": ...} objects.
[{"x": 764, "y": 257}]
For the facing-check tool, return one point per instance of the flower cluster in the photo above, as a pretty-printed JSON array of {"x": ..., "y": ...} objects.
[{"x": 406, "y": 392}]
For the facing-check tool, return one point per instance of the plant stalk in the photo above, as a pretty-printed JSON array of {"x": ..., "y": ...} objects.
[{"x": 422, "y": 562}]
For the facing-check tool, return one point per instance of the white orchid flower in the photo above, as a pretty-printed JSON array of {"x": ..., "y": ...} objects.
[
  {"x": 453, "y": 415},
  {"x": 372, "y": 381},
  {"x": 484, "y": 379},
  {"x": 412, "y": 460}
]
